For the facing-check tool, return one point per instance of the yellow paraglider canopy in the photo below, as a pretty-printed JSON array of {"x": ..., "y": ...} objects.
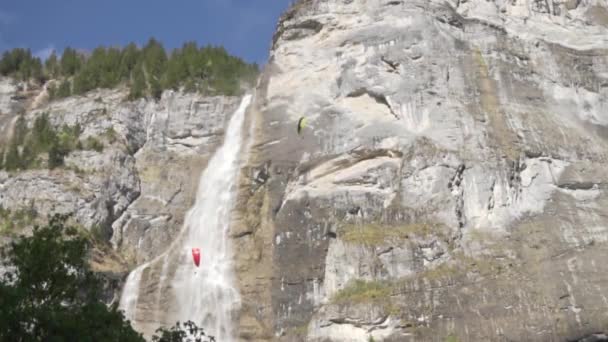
[{"x": 301, "y": 124}]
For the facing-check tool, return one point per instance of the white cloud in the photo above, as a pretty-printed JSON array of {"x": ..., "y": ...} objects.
[{"x": 45, "y": 53}]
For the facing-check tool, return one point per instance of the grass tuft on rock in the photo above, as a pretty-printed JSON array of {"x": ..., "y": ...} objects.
[
  {"x": 452, "y": 338},
  {"x": 378, "y": 234},
  {"x": 361, "y": 291}
]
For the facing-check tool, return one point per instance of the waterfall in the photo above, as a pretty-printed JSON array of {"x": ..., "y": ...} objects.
[{"x": 205, "y": 295}]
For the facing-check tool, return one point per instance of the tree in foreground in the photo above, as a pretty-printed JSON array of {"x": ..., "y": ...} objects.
[
  {"x": 189, "y": 333},
  {"x": 49, "y": 293}
]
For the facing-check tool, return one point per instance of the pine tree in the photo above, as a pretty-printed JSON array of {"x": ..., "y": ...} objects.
[
  {"x": 85, "y": 80},
  {"x": 43, "y": 134},
  {"x": 23, "y": 64},
  {"x": 51, "y": 66},
  {"x": 128, "y": 61},
  {"x": 148, "y": 71},
  {"x": 155, "y": 61},
  {"x": 177, "y": 71},
  {"x": 111, "y": 76},
  {"x": 93, "y": 72},
  {"x": 56, "y": 155},
  {"x": 27, "y": 157},
  {"x": 19, "y": 131},
  {"x": 12, "y": 159},
  {"x": 155, "y": 58},
  {"x": 6, "y": 63},
  {"x": 36, "y": 72},
  {"x": 138, "y": 83},
  {"x": 70, "y": 62},
  {"x": 64, "y": 90},
  {"x": 156, "y": 90}
]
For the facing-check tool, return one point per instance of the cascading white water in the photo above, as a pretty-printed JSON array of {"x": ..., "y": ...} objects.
[{"x": 205, "y": 294}]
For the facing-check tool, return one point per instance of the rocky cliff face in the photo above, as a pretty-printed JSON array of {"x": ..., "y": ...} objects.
[
  {"x": 136, "y": 190},
  {"x": 451, "y": 185}
]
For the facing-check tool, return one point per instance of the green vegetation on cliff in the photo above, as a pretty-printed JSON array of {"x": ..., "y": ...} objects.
[
  {"x": 43, "y": 145},
  {"x": 374, "y": 234},
  {"x": 361, "y": 291},
  {"x": 20, "y": 64},
  {"x": 147, "y": 71},
  {"x": 12, "y": 222}
]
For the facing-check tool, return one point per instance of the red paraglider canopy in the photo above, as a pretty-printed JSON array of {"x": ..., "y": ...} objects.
[{"x": 196, "y": 255}]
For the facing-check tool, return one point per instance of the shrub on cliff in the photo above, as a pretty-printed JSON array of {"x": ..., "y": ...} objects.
[{"x": 27, "y": 147}]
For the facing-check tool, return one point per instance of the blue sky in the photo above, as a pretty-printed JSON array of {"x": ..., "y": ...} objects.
[{"x": 244, "y": 27}]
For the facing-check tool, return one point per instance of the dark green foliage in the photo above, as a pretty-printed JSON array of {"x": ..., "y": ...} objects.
[
  {"x": 56, "y": 155},
  {"x": 128, "y": 60},
  {"x": 177, "y": 71},
  {"x": 61, "y": 91},
  {"x": 84, "y": 81},
  {"x": 101, "y": 70},
  {"x": 35, "y": 72},
  {"x": 92, "y": 143},
  {"x": 68, "y": 137},
  {"x": 138, "y": 83},
  {"x": 20, "y": 64},
  {"x": 51, "y": 66},
  {"x": 64, "y": 90},
  {"x": 210, "y": 70},
  {"x": 190, "y": 333},
  {"x": 20, "y": 130},
  {"x": 27, "y": 146},
  {"x": 147, "y": 71},
  {"x": 154, "y": 64},
  {"x": 71, "y": 62},
  {"x": 27, "y": 157},
  {"x": 12, "y": 160},
  {"x": 51, "y": 294},
  {"x": 109, "y": 68},
  {"x": 44, "y": 138},
  {"x": 155, "y": 58},
  {"x": 43, "y": 134}
]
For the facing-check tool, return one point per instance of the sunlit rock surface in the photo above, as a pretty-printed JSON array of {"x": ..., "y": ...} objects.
[{"x": 454, "y": 164}]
